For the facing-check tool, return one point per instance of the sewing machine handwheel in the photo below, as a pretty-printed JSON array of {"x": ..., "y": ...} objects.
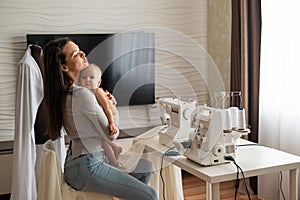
[{"x": 218, "y": 150}]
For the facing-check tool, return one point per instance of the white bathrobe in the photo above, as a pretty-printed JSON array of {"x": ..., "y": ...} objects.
[{"x": 29, "y": 95}]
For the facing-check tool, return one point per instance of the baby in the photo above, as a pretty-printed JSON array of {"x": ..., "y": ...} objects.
[{"x": 90, "y": 77}]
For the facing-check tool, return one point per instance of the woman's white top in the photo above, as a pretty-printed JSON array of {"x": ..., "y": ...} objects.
[{"x": 85, "y": 121}]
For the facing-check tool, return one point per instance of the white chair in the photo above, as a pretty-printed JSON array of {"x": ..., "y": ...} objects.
[{"x": 52, "y": 186}]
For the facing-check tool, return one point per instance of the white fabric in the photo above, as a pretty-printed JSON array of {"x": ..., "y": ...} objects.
[
  {"x": 29, "y": 94},
  {"x": 51, "y": 184},
  {"x": 50, "y": 178},
  {"x": 169, "y": 184},
  {"x": 279, "y": 85},
  {"x": 170, "y": 173},
  {"x": 130, "y": 158},
  {"x": 60, "y": 148}
]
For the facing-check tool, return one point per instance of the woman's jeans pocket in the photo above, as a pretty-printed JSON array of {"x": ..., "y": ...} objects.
[
  {"x": 74, "y": 173},
  {"x": 78, "y": 170}
]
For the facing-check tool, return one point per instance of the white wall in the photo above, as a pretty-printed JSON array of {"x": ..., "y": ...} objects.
[
  {"x": 219, "y": 36},
  {"x": 178, "y": 25}
]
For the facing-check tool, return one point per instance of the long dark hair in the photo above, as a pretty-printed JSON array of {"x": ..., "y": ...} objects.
[{"x": 56, "y": 85}]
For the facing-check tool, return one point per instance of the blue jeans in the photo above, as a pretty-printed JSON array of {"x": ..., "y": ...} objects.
[{"x": 91, "y": 173}]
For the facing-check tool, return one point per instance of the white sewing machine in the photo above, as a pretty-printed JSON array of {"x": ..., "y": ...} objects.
[
  {"x": 214, "y": 137},
  {"x": 177, "y": 117}
]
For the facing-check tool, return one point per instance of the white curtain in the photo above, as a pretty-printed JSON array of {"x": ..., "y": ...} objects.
[{"x": 279, "y": 87}]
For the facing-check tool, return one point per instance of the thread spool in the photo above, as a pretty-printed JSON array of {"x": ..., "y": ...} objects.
[
  {"x": 234, "y": 117},
  {"x": 227, "y": 126},
  {"x": 241, "y": 119}
]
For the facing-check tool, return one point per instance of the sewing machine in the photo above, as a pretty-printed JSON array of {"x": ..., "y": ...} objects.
[
  {"x": 214, "y": 137},
  {"x": 176, "y": 116}
]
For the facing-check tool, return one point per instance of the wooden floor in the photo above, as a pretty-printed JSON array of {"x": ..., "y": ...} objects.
[{"x": 194, "y": 189}]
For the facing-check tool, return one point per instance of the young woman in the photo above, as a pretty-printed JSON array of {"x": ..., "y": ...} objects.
[{"x": 77, "y": 110}]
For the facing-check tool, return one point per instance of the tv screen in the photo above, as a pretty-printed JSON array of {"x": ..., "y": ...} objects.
[{"x": 127, "y": 61}]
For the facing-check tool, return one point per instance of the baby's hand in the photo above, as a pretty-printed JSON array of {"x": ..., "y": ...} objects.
[
  {"x": 113, "y": 129},
  {"x": 109, "y": 95}
]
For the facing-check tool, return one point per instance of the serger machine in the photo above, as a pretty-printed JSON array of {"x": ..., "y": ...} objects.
[
  {"x": 176, "y": 115},
  {"x": 215, "y": 135}
]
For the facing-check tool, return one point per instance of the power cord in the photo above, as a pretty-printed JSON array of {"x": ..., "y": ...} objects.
[
  {"x": 237, "y": 183},
  {"x": 160, "y": 172},
  {"x": 230, "y": 158},
  {"x": 281, "y": 191},
  {"x": 280, "y": 178}
]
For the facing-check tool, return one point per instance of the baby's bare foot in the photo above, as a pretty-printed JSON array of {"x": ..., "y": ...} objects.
[
  {"x": 118, "y": 152},
  {"x": 115, "y": 164}
]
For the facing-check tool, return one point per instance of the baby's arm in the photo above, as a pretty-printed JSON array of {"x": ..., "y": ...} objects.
[
  {"x": 112, "y": 101},
  {"x": 103, "y": 100}
]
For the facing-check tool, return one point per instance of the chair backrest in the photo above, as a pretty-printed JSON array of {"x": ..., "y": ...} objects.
[
  {"x": 52, "y": 185},
  {"x": 49, "y": 186}
]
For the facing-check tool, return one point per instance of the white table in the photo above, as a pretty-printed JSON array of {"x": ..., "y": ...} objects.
[{"x": 254, "y": 160}]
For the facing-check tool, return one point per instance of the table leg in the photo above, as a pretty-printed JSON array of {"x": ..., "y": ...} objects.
[
  {"x": 294, "y": 184},
  {"x": 212, "y": 191}
]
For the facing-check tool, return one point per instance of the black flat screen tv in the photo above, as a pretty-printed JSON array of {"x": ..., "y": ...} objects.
[{"x": 127, "y": 61}]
